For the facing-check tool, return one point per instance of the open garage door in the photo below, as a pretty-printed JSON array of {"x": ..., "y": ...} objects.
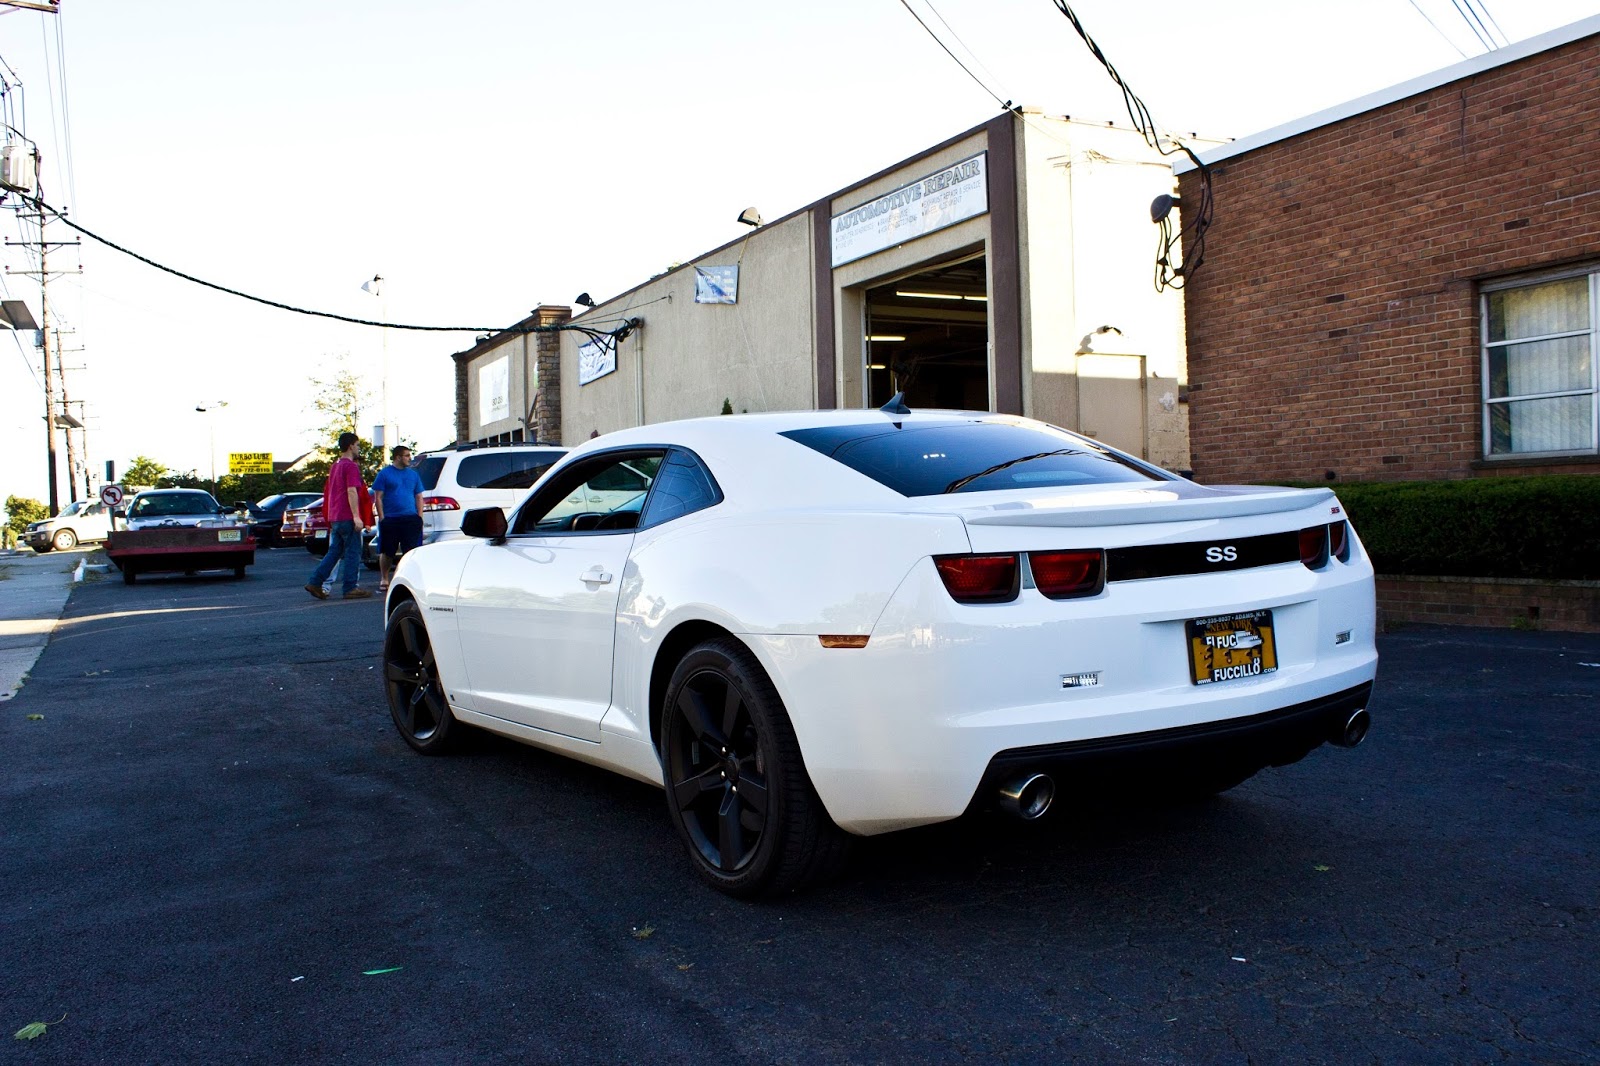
[{"x": 928, "y": 336}]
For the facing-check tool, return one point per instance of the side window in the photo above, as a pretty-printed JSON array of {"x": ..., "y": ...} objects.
[
  {"x": 503, "y": 470},
  {"x": 683, "y": 486},
  {"x": 1541, "y": 367},
  {"x": 602, "y": 494}
]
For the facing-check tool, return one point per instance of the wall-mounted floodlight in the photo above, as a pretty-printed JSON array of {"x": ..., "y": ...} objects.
[
  {"x": 1162, "y": 206},
  {"x": 583, "y": 299},
  {"x": 750, "y": 217}
]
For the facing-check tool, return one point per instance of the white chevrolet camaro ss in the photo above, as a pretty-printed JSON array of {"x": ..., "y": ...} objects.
[{"x": 811, "y": 625}]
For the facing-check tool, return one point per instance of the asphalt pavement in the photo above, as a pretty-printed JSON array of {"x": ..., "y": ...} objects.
[{"x": 217, "y": 849}]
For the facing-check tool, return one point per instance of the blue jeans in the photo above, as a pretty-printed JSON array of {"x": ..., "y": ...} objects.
[{"x": 343, "y": 543}]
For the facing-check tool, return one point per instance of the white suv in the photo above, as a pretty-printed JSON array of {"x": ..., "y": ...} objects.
[
  {"x": 80, "y": 522},
  {"x": 459, "y": 478}
]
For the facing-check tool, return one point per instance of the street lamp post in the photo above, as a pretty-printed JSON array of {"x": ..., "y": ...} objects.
[
  {"x": 210, "y": 407},
  {"x": 375, "y": 287}
]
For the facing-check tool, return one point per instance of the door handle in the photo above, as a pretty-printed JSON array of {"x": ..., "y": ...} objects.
[{"x": 595, "y": 575}]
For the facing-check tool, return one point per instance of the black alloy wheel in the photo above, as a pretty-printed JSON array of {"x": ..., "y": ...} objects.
[
  {"x": 737, "y": 790},
  {"x": 411, "y": 681}
]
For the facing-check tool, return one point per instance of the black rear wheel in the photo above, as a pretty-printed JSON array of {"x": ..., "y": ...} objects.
[
  {"x": 737, "y": 790},
  {"x": 417, "y": 699}
]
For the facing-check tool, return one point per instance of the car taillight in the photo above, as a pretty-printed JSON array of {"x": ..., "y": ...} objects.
[
  {"x": 439, "y": 503},
  {"x": 1314, "y": 547},
  {"x": 1065, "y": 575},
  {"x": 1339, "y": 541},
  {"x": 979, "y": 578}
]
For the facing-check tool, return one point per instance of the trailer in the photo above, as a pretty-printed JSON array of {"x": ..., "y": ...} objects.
[{"x": 181, "y": 549}]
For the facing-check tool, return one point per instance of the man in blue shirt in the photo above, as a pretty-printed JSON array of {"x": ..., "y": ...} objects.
[{"x": 397, "y": 501}]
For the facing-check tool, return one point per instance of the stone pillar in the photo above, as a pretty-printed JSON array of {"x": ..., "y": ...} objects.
[
  {"x": 461, "y": 360},
  {"x": 547, "y": 368}
]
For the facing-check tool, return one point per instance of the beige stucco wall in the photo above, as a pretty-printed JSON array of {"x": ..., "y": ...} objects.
[
  {"x": 1087, "y": 251},
  {"x": 687, "y": 358},
  {"x": 517, "y": 350}
]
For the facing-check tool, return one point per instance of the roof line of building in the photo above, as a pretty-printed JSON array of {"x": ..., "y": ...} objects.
[
  {"x": 1500, "y": 57},
  {"x": 803, "y": 209}
]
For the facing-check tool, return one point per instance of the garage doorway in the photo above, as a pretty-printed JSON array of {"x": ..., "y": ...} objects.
[{"x": 928, "y": 336}]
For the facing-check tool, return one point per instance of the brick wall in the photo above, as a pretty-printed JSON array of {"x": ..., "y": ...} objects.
[
  {"x": 1563, "y": 606},
  {"x": 1334, "y": 325}
]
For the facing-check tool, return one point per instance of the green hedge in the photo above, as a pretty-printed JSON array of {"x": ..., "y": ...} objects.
[{"x": 1522, "y": 527}]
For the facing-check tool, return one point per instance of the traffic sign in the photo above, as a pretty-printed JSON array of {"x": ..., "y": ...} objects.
[{"x": 111, "y": 495}]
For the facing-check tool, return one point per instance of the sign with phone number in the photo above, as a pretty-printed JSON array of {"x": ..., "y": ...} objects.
[{"x": 249, "y": 462}]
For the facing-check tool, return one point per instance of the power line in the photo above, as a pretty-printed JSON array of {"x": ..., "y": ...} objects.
[
  {"x": 1488, "y": 45},
  {"x": 1168, "y": 273},
  {"x": 946, "y": 24},
  {"x": 1005, "y": 105},
  {"x": 619, "y": 333},
  {"x": 1437, "y": 30},
  {"x": 66, "y": 109},
  {"x": 1492, "y": 21}
]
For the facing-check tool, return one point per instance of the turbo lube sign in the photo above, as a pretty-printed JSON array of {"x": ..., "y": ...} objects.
[{"x": 955, "y": 194}]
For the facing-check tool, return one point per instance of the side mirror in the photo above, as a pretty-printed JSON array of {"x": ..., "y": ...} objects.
[{"x": 485, "y": 523}]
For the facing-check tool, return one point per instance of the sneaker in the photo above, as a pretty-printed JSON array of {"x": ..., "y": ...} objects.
[
  {"x": 358, "y": 594},
  {"x": 317, "y": 591}
]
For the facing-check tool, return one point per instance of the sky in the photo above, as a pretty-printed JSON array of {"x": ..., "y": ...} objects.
[{"x": 488, "y": 156}]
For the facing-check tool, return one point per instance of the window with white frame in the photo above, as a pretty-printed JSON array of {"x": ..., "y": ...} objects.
[{"x": 1540, "y": 351}]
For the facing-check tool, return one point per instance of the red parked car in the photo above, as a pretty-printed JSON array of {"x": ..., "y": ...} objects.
[{"x": 315, "y": 535}]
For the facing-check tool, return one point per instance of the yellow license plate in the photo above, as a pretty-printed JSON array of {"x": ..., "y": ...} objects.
[{"x": 1231, "y": 647}]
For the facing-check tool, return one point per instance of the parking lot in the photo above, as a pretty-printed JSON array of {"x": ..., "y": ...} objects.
[{"x": 216, "y": 848}]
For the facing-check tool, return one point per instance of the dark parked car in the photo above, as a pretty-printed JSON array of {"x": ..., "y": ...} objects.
[{"x": 266, "y": 516}]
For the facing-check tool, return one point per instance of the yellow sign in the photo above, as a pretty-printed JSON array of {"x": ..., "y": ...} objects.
[{"x": 249, "y": 462}]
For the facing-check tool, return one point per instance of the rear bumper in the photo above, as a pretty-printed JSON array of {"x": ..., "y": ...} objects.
[{"x": 1274, "y": 738}]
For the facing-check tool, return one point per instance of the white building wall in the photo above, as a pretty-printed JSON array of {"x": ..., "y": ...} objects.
[{"x": 1088, "y": 260}]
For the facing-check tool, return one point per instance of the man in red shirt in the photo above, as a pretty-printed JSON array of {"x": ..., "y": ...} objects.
[{"x": 349, "y": 511}]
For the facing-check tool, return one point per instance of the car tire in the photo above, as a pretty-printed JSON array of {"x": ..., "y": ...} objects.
[
  {"x": 64, "y": 540},
  {"x": 723, "y": 725},
  {"x": 238, "y": 573},
  {"x": 127, "y": 574},
  {"x": 417, "y": 700}
]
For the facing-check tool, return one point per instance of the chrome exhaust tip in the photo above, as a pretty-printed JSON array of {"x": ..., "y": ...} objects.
[
  {"x": 1027, "y": 796},
  {"x": 1353, "y": 731}
]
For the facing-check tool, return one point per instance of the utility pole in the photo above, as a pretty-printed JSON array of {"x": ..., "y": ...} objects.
[{"x": 50, "y": 373}]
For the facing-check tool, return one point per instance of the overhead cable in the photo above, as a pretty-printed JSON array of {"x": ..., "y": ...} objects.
[
  {"x": 619, "y": 333},
  {"x": 1437, "y": 30},
  {"x": 1473, "y": 25},
  {"x": 1005, "y": 105},
  {"x": 1169, "y": 247}
]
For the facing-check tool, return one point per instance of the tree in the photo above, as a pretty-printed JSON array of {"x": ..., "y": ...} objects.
[
  {"x": 20, "y": 510},
  {"x": 338, "y": 402},
  {"x": 143, "y": 473}
]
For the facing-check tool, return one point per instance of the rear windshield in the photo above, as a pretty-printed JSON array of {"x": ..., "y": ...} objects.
[
  {"x": 930, "y": 458},
  {"x": 503, "y": 470}
]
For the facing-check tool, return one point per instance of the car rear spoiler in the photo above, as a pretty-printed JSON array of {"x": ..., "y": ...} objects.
[{"x": 1152, "y": 505}]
